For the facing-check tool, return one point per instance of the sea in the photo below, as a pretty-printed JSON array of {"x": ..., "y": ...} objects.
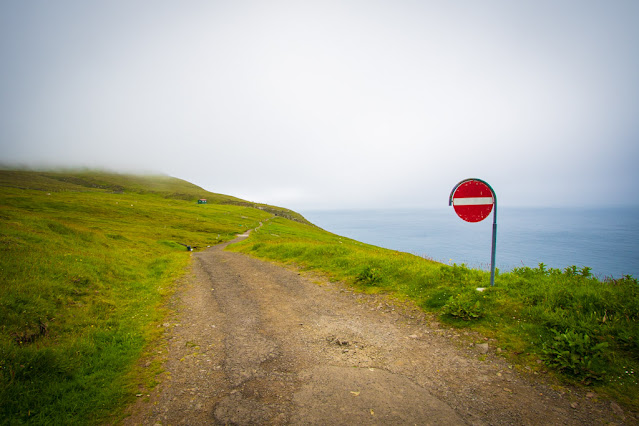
[{"x": 605, "y": 239}]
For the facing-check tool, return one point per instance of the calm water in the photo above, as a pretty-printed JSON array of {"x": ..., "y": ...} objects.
[{"x": 607, "y": 240}]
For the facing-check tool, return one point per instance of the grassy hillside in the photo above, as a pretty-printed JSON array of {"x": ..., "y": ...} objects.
[
  {"x": 164, "y": 186},
  {"x": 86, "y": 262},
  {"x": 88, "y": 259},
  {"x": 548, "y": 321}
]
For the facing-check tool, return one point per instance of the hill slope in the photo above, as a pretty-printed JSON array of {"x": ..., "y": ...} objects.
[
  {"x": 94, "y": 181},
  {"x": 87, "y": 260}
]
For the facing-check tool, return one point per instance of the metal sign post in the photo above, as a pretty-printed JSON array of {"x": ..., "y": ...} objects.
[{"x": 473, "y": 200}]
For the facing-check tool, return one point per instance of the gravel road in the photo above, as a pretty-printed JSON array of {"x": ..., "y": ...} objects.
[{"x": 252, "y": 342}]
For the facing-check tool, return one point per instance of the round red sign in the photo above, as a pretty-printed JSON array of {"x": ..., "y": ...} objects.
[{"x": 473, "y": 200}]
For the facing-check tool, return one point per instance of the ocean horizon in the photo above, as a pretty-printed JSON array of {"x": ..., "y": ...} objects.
[{"x": 604, "y": 239}]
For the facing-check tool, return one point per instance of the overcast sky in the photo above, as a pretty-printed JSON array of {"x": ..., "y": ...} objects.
[{"x": 331, "y": 104}]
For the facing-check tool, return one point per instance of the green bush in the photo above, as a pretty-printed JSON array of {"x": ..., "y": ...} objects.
[
  {"x": 463, "y": 306},
  {"x": 575, "y": 354},
  {"x": 369, "y": 276}
]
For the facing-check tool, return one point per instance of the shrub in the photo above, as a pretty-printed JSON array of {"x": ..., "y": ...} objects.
[
  {"x": 575, "y": 354},
  {"x": 369, "y": 276},
  {"x": 463, "y": 306}
]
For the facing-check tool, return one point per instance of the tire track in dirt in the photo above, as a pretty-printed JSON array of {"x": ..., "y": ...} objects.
[{"x": 255, "y": 343}]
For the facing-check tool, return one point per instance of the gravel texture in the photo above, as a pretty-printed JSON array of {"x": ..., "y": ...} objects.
[{"x": 251, "y": 342}]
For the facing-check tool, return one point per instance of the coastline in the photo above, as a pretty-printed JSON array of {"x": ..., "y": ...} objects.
[{"x": 606, "y": 239}]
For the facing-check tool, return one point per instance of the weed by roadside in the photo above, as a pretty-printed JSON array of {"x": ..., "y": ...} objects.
[
  {"x": 369, "y": 276},
  {"x": 466, "y": 306},
  {"x": 576, "y": 354}
]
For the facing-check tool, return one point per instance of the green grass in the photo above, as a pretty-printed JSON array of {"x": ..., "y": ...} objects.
[
  {"x": 87, "y": 261},
  {"x": 584, "y": 330}
]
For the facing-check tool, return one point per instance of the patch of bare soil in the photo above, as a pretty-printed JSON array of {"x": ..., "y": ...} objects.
[{"x": 255, "y": 343}]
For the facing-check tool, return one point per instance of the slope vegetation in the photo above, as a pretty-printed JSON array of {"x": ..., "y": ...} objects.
[{"x": 87, "y": 260}]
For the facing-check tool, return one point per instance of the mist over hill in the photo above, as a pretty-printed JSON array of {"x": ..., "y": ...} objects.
[{"x": 82, "y": 180}]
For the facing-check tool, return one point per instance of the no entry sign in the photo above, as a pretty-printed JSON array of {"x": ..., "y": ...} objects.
[{"x": 472, "y": 200}]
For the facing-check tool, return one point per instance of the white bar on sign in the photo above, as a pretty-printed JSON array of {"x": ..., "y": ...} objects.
[{"x": 472, "y": 201}]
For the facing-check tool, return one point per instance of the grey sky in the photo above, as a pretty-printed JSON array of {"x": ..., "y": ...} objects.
[{"x": 331, "y": 104}]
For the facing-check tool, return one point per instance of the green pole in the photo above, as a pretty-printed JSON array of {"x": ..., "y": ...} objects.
[{"x": 494, "y": 248}]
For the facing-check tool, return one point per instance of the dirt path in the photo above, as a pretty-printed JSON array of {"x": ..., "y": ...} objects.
[{"x": 255, "y": 343}]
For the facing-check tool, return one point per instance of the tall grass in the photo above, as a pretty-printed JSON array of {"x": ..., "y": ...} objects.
[
  {"x": 85, "y": 271},
  {"x": 583, "y": 329}
]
